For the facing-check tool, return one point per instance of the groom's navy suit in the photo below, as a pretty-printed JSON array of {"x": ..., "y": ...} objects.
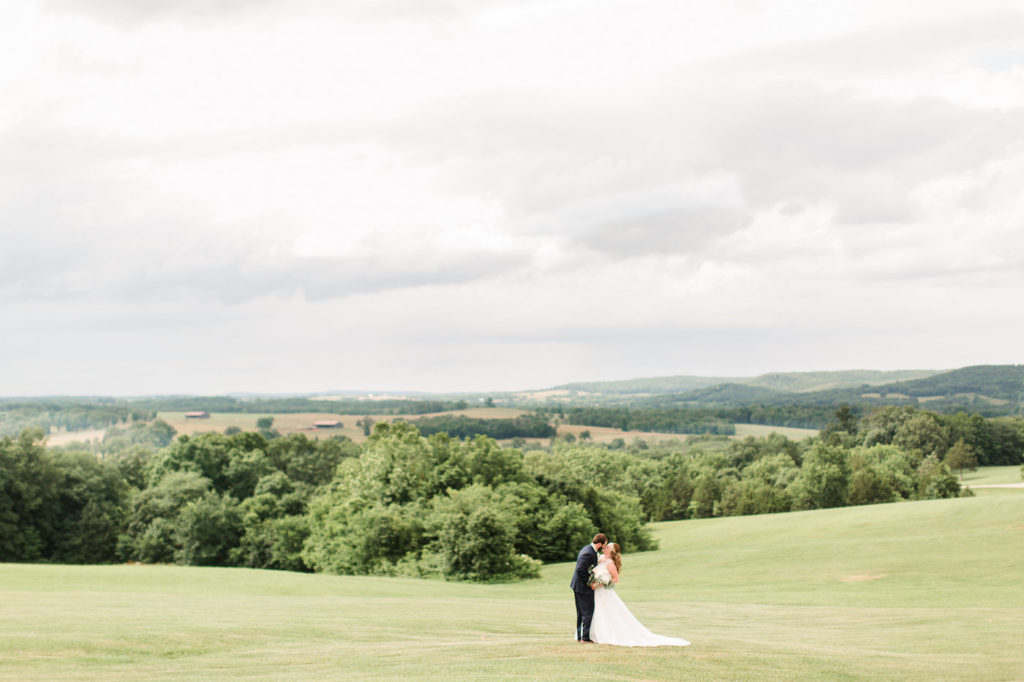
[{"x": 580, "y": 585}]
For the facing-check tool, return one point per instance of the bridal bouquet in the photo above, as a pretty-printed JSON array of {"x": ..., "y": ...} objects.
[{"x": 599, "y": 575}]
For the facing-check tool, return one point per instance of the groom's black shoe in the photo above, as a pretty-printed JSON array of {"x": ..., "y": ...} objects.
[{"x": 587, "y": 641}]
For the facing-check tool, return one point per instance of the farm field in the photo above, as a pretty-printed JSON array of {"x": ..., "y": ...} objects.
[
  {"x": 759, "y": 430},
  {"x": 919, "y": 591},
  {"x": 65, "y": 437},
  {"x": 303, "y": 423}
]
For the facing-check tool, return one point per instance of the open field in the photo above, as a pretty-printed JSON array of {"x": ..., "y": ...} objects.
[
  {"x": 302, "y": 422},
  {"x": 1003, "y": 476},
  {"x": 759, "y": 430},
  {"x": 921, "y": 591},
  {"x": 993, "y": 475},
  {"x": 65, "y": 437}
]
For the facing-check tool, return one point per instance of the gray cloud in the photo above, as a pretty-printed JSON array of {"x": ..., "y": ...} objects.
[
  {"x": 661, "y": 232},
  {"x": 785, "y": 142}
]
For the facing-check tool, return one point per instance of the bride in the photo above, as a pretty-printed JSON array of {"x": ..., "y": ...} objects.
[{"x": 613, "y": 623}]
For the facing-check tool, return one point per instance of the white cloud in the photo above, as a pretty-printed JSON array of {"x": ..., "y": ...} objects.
[{"x": 455, "y": 194}]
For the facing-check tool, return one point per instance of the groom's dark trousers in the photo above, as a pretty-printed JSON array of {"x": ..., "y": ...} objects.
[{"x": 580, "y": 585}]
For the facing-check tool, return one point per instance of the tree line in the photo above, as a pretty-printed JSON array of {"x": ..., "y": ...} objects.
[
  {"x": 404, "y": 503},
  {"x": 691, "y": 419},
  {"x": 460, "y": 426},
  {"x": 401, "y": 503},
  {"x": 68, "y": 414}
]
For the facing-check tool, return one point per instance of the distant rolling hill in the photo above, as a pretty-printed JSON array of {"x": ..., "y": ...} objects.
[
  {"x": 776, "y": 381},
  {"x": 799, "y": 382},
  {"x": 997, "y": 382},
  {"x": 989, "y": 389},
  {"x": 646, "y": 385}
]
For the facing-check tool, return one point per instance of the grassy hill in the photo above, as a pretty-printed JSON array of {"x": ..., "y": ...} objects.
[
  {"x": 673, "y": 384},
  {"x": 925, "y": 590},
  {"x": 798, "y": 382},
  {"x": 794, "y": 382}
]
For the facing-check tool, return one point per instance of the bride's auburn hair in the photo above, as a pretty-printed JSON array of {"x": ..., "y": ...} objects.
[{"x": 613, "y": 552}]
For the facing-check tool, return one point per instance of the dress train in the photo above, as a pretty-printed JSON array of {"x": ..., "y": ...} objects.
[{"x": 614, "y": 623}]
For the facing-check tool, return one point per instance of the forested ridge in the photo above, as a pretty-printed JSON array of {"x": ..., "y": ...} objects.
[
  {"x": 780, "y": 381},
  {"x": 791, "y": 399},
  {"x": 468, "y": 509}
]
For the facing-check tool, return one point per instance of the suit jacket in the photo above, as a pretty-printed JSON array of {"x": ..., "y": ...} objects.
[{"x": 586, "y": 560}]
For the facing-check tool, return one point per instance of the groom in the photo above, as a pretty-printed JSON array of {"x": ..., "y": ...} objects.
[{"x": 581, "y": 589}]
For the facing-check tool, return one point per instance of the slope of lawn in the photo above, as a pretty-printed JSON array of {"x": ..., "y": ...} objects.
[{"x": 927, "y": 590}]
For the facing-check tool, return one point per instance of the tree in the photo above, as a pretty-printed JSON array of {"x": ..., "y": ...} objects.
[
  {"x": 308, "y": 460},
  {"x": 265, "y": 423},
  {"x": 934, "y": 480},
  {"x": 151, "y": 533},
  {"x": 924, "y": 433},
  {"x": 367, "y": 424},
  {"x": 475, "y": 530},
  {"x": 207, "y": 530},
  {"x": 92, "y": 499},
  {"x": 843, "y": 426},
  {"x": 564, "y": 531},
  {"x": 29, "y": 489},
  {"x": 824, "y": 478},
  {"x": 961, "y": 457}
]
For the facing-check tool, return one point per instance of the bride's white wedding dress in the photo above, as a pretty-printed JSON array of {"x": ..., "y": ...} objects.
[{"x": 613, "y": 623}]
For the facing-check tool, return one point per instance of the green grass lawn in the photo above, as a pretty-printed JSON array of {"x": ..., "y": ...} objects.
[
  {"x": 993, "y": 475},
  {"x": 924, "y": 591}
]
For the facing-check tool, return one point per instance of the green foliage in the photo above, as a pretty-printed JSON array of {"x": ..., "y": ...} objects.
[
  {"x": 478, "y": 507},
  {"x": 935, "y": 481},
  {"x": 824, "y": 478},
  {"x": 29, "y": 493},
  {"x": 274, "y": 523},
  {"x": 476, "y": 531},
  {"x": 961, "y": 457},
  {"x": 92, "y": 508},
  {"x": 458, "y": 426},
  {"x": 207, "y": 529},
  {"x": 662, "y": 420},
  {"x": 1003, "y": 382},
  {"x": 71, "y": 414},
  {"x": 151, "y": 436},
  {"x": 307, "y": 460},
  {"x": 408, "y": 504},
  {"x": 151, "y": 535}
]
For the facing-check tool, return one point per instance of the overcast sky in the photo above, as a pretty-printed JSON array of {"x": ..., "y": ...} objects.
[{"x": 204, "y": 196}]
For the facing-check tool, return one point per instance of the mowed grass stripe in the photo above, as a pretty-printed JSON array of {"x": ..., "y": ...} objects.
[{"x": 927, "y": 591}]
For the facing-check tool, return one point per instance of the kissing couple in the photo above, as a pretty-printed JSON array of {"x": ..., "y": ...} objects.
[{"x": 601, "y": 617}]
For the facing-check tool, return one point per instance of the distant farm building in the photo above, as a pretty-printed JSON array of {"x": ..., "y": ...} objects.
[
  {"x": 198, "y": 414},
  {"x": 327, "y": 425}
]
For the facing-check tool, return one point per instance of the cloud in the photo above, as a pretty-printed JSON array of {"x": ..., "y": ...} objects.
[{"x": 594, "y": 189}]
